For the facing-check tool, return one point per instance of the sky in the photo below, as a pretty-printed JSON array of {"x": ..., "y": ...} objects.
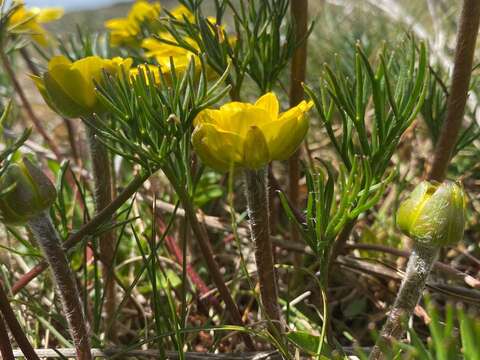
[{"x": 72, "y": 4}]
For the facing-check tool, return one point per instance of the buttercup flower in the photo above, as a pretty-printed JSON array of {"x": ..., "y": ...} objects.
[
  {"x": 434, "y": 214},
  {"x": 69, "y": 89},
  {"x": 249, "y": 135},
  {"x": 29, "y": 20},
  {"x": 124, "y": 31},
  {"x": 25, "y": 192}
]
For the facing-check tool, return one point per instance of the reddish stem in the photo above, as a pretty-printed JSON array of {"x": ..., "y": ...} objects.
[{"x": 192, "y": 274}]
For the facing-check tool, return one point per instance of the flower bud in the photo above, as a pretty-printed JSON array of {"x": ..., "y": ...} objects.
[
  {"x": 25, "y": 192},
  {"x": 434, "y": 214}
]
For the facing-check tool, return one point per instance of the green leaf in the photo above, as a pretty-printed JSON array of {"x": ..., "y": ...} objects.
[{"x": 308, "y": 343}]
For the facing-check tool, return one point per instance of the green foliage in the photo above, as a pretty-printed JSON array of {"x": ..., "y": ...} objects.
[
  {"x": 151, "y": 122},
  {"x": 261, "y": 48},
  {"x": 434, "y": 112},
  {"x": 396, "y": 88}
]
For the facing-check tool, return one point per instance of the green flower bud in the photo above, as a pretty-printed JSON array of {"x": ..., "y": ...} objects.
[
  {"x": 25, "y": 192},
  {"x": 434, "y": 214}
]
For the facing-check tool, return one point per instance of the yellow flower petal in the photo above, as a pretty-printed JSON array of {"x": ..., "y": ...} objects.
[
  {"x": 269, "y": 102},
  {"x": 64, "y": 102},
  {"x": 256, "y": 152},
  {"x": 285, "y": 135},
  {"x": 181, "y": 12},
  {"x": 218, "y": 149},
  {"x": 46, "y": 15},
  {"x": 58, "y": 60},
  {"x": 208, "y": 116}
]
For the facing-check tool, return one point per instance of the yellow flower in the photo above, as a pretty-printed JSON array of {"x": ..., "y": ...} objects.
[
  {"x": 124, "y": 31},
  {"x": 69, "y": 88},
  {"x": 249, "y": 135},
  {"x": 29, "y": 20}
]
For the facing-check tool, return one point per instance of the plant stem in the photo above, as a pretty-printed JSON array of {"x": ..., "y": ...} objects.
[
  {"x": 102, "y": 176},
  {"x": 18, "y": 88},
  {"x": 462, "y": 71},
  {"x": 88, "y": 229},
  {"x": 207, "y": 252},
  {"x": 256, "y": 182},
  {"x": 6, "y": 351},
  {"x": 14, "y": 326},
  {"x": 49, "y": 241},
  {"x": 299, "y": 11},
  {"x": 419, "y": 266}
]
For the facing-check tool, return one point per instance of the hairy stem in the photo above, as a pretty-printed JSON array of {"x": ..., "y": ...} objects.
[
  {"x": 102, "y": 176},
  {"x": 88, "y": 229},
  {"x": 207, "y": 252},
  {"x": 418, "y": 268},
  {"x": 299, "y": 10},
  {"x": 14, "y": 326},
  {"x": 256, "y": 182},
  {"x": 49, "y": 241},
  {"x": 462, "y": 71},
  {"x": 28, "y": 108},
  {"x": 6, "y": 351}
]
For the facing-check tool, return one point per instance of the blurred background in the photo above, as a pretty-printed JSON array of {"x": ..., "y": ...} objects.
[{"x": 70, "y": 5}]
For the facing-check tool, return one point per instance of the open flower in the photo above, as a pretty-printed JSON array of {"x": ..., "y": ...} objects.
[
  {"x": 29, "y": 21},
  {"x": 249, "y": 135},
  {"x": 125, "y": 31},
  {"x": 69, "y": 87},
  {"x": 434, "y": 214}
]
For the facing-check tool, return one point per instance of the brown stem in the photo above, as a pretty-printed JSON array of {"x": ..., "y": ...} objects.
[
  {"x": 102, "y": 176},
  {"x": 419, "y": 266},
  {"x": 256, "y": 182},
  {"x": 88, "y": 229},
  {"x": 49, "y": 241},
  {"x": 299, "y": 11},
  {"x": 6, "y": 351},
  {"x": 18, "y": 88},
  {"x": 462, "y": 71},
  {"x": 14, "y": 326},
  {"x": 207, "y": 252}
]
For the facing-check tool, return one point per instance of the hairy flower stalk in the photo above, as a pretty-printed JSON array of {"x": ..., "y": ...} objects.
[
  {"x": 248, "y": 137},
  {"x": 433, "y": 216},
  {"x": 102, "y": 176},
  {"x": 49, "y": 241},
  {"x": 256, "y": 182},
  {"x": 27, "y": 195}
]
